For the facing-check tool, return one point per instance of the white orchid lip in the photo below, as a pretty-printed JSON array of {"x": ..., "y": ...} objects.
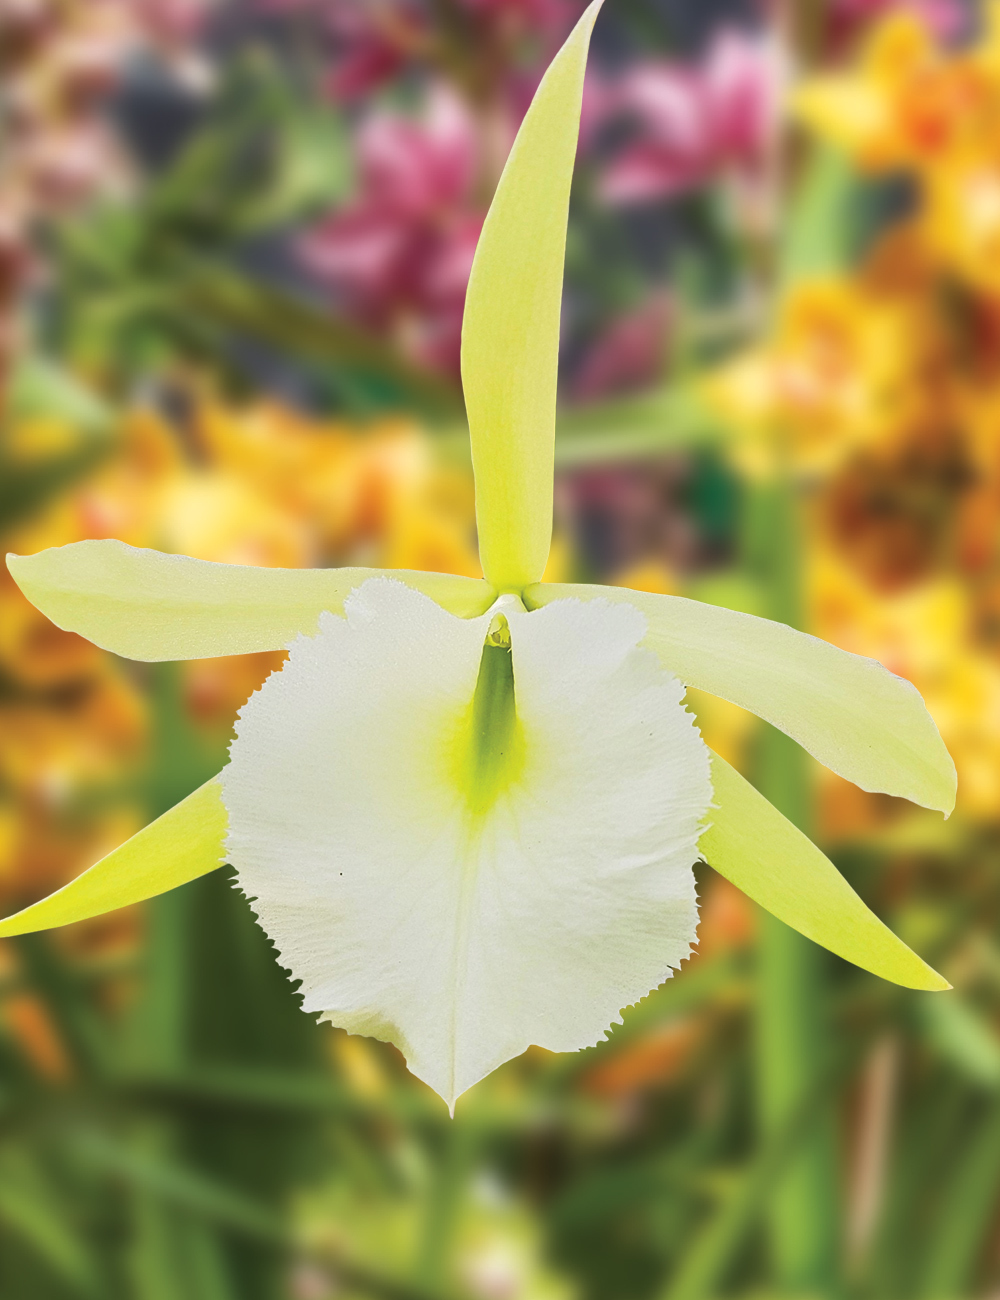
[{"x": 464, "y": 912}]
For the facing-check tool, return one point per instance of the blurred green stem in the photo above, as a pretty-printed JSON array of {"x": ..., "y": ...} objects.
[
  {"x": 444, "y": 1205},
  {"x": 180, "y": 762},
  {"x": 792, "y": 1029}
]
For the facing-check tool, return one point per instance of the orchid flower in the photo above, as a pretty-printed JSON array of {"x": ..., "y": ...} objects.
[{"x": 468, "y": 809}]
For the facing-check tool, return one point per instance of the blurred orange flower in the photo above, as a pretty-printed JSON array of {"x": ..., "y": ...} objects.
[
  {"x": 926, "y": 633},
  {"x": 908, "y": 102}
]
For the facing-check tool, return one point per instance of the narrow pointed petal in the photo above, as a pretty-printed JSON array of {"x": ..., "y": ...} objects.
[
  {"x": 184, "y": 843},
  {"x": 147, "y": 605},
  {"x": 857, "y": 718},
  {"x": 510, "y": 333},
  {"x": 413, "y": 910},
  {"x": 760, "y": 851}
]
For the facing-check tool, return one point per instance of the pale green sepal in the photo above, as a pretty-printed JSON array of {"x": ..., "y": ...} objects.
[
  {"x": 760, "y": 851},
  {"x": 510, "y": 332},
  {"x": 184, "y": 843},
  {"x": 856, "y": 717},
  {"x": 149, "y": 605}
]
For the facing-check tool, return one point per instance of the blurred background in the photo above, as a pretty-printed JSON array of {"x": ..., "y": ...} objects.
[{"x": 234, "y": 245}]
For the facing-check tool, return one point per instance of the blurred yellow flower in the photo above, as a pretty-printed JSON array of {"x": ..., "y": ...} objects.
[
  {"x": 79, "y": 736},
  {"x": 216, "y": 516},
  {"x": 911, "y": 106},
  {"x": 38, "y": 439},
  {"x": 927, "y": 634},
  {"x": 35, "y": 651},
  {"x": 649, "y": 575},
  {"x": 908, "y": 103},
  {"x": 848, "y": 364},
  {"x": 363, "y": 495},
  {"x": 862, "y": 110},
  {"x": 960, "y": 214}
]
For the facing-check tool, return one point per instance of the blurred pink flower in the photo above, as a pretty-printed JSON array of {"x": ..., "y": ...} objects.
[
  {"x": 88, "y": 67},
  {"x": 398, "y": 257},
  {"x": 631, "y": 351},
  {"x": 372, "y": 43},
  {"x": 173, "y": 22},
  {"x": 420, "y": 166},
  {"x": 693, "y": 122},
  {"x": 24, "y": 25},
  {"x": 541, "y": 16},
  {"x": 67, "y": 166}
]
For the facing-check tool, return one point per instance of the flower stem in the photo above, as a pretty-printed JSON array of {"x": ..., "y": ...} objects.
[{"x": 792, "y": 1030}]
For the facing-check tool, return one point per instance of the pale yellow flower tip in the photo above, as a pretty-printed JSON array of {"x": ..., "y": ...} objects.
[
  {"x": 184, "y": 843},
  {"x": 753, "y": 845},
  {"x": 464, "y": 910}
]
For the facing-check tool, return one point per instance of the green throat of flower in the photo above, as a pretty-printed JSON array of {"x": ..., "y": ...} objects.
[{"x": 491, "y": 748}]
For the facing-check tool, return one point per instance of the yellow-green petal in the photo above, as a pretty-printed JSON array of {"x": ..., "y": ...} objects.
[
  {"x": 510, "y": 333},
  {"x": 148, "y": 605},
  {"x": 856, "y": 717},
  {"x": 753, "y": 845},
  {"x": 184, "y": 843}
]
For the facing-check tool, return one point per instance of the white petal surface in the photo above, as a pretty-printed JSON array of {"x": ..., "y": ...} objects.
[{"x": 464, "y": 937}]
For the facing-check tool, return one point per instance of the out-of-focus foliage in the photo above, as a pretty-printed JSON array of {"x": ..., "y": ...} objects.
[{"x": 780, "y": 368}]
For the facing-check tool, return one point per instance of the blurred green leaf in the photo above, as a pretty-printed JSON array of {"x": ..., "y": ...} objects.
[
  {"x": 965, "y": 1220},
  {"x": 820, "y": 233},
  {"x": 668, "y": 419},
  {"x": 182, "y": 1186},
  {"x": 714, "y": 1246},
  {"x": 267, "y": 155},
  {"x": 167, "y": 275},
  {"x": 964, "y": 1037},
  {"x": 663, "y": 420},
  {"x": 30, "y": 1207},
  {"x": 303, "y": 330},
  {"x": 40, "y": 389},
  {"x": 54, "y": 431},
  {"x": 81, "y": 1029}
]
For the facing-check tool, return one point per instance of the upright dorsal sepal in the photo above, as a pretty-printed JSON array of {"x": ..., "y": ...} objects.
[{"x": 510, "y": 333}]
